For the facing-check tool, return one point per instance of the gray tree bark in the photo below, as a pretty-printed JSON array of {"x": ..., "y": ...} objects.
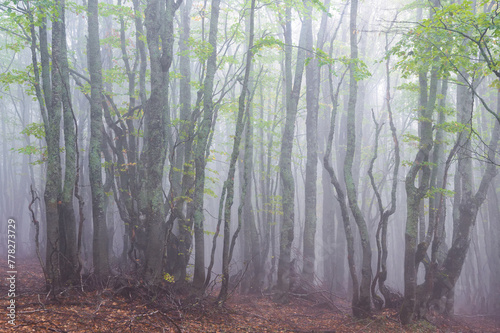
[
  {"x": 100, "y": 239},
  {"x": 67, "y": 223},
  {"x": 200, "y": 149},
  {"x": 312, "y": 97},
  {"x": 362, "y": 308},
  {"x": 292, "y": 94}
]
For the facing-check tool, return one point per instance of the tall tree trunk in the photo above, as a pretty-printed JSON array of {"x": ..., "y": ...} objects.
[
  {"x": 67, "y": 224},
  {"x": 364, "y": 304},
  {"x": 470, "y": 202},
  {"x": 159, "y": 35},
  {"x": 52, "y": 193},
  {"x": 416, "y": 194},
  {"x": 204, "y": 129},
  {"x": 43, "y": 93},
  {"x": 341, "y": 197},
  {"x": 285, "y": 164},
  {"x": 252, "y": 253},
  {"x": 381, "y": 235},
  {"x": 242, "y": 118},
  {"x": 310, "y": 191},
  {"x": 186, "y": 137},
  {"x": 100, "y": 238}
]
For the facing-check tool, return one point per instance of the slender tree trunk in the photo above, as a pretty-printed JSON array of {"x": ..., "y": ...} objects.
[
  {"x": 252, "y": 253},
  {"x": 243, "y": 117},
  {"x": 364, "y": 304},
  {"x": 285, "y": 163},
  {"x": 312, "y": 96},
  {"x": 381, "y": 235},
  {"x": 201, "y": 147},
  {"x": 341, "y": 197},
  {"x": 43, "y": 97}
]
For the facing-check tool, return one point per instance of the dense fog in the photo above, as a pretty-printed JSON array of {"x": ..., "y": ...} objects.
[{"x": 270, "y": 148}]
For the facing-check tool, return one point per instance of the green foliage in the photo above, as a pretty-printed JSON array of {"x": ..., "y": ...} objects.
[
  {"x": 361, "y": 71},
  {"x": 201, "y": 49},
  {"x": 275, "y": 204},
  {"x": 209, "y": 233},
  {"x": 169, "y": 278},
  {"x": 111, "y": 40},
  {"x": 35, "y": 129},
  {"x": 114, "y": 75},
  {"x": 453, "y": 38},
  {"x": 28, "y": 150},
  {"x": 76, "y": 8},
  {"x": 319, "y": 5},
  {"x": 209, "y": 192},
  {"x": 106, "y": 9},
  {"x": 435, "y": 190},
  {"x": 453, "y": 126},
  {"x": 409, "y": 86},
  {"x": 267, "y": 42},
  {"x": 407, "y": 137},
  {"x": 14, "y": 76}
]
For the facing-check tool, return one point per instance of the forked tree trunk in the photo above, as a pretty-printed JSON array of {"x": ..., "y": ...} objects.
[
  {"x": 159, "y": 25},
  {"x": 416, "y": 194},
  {"x": 470, "y": 202},
  {"x": 363, "y": 306}
]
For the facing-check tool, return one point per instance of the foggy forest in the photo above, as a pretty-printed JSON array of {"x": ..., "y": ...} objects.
[{"x": 250, "y": 165}]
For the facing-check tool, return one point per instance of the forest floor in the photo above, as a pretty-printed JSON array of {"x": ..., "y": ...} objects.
[{"x": 109, "y": 311}]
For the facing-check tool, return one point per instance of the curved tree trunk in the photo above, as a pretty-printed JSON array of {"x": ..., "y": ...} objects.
[
  {"x": 285, "y": 163},
  {"x": 363, "y": 306},
  {"x": 468, "y": 208},
  {"x": 415, "y": 196},
  {"x": 201, "y": 147}
]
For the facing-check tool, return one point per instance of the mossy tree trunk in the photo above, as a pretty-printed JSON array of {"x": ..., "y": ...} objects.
[
  {"x": 416, "y": 194},
  {"x": 469, "y": 201},
  {"x": 292, "y": 94},
  {"x": 52, "y": 86},
  {"x": 100, "y": 237},
  {"x": 184, "y": 152},
  {"x": 159, "y": 35},
  {"x": 363, "y": 306},
  {"x": 67, "y": 223},
  {"x": 204, "y": 129}
]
